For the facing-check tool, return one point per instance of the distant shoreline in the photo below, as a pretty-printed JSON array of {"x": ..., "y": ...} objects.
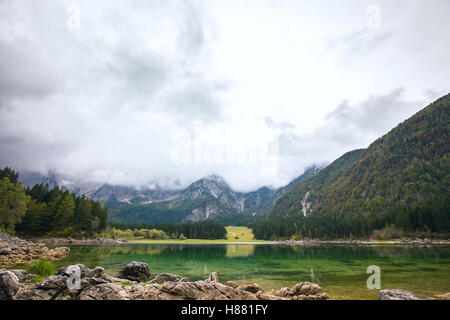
[
  {"x": 103, "y": 241},
  {"x": 296, "y": 242}
]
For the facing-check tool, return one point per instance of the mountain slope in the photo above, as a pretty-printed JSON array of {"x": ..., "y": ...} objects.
[
  {"x": 210, "y": 198},
  {"x": 405, "y": 167}
]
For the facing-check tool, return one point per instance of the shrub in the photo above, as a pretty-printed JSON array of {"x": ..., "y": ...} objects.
[{"x": 388, "y": 232}]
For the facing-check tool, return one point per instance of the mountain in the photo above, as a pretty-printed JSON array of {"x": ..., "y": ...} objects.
[
  {"x": 210, "y": 198},
  {"x": 29, "y": 179},
  {"x": 262, "y": 200},
  {"x": 133, "y": 195},
  {"x": 407, "y": 167}
]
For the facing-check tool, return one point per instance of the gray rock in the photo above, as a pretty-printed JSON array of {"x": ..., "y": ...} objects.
[
  {"x": 306, "y": 288},
  {"x": 105, "y": 291},
  {"x": 135, "y": 271},
  {"x": 253, "y": 288},
  {"x": 201, "y": 290},
  {"x": 232, "y": 284},
  {"x": 97, "y": 272},
  {"x": 166, "y": 277},
  {"x": 55, "y": 282},
  {"x": 32, "y": 293},
  {"x": 9, "y": 285},
  {"x": 396, "y": 294},
  {"x": 213, "y": 277}
]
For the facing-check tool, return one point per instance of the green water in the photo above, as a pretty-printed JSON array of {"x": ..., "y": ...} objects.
[{"x": 340, "y": 270}]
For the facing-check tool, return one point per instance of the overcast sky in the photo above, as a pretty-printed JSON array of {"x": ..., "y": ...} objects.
[{"x": 166, "y": 92}]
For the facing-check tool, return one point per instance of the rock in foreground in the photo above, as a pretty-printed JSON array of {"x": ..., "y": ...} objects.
[
  {"x": 78, "y": 282},
  {"x": 396, "y": 294}
]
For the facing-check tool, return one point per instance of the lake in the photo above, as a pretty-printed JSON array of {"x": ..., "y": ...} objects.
[{"x": 339, "y": 269}]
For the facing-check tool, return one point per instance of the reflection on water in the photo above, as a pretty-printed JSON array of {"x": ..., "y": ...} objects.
[
  {"x": 339, "y": 269},
  {"x": 236, "y": 250}
]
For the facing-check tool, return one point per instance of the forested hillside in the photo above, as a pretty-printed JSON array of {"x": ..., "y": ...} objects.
[
  {"x": 41, "y": 210},
  {"x": 406, "y": 171}
]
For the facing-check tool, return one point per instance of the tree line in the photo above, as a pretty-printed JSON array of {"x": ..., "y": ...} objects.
[
  {"x": 192, "y": 230},
  {"x": 431, "y": 219},
  {"x": 41, "y": 210}
]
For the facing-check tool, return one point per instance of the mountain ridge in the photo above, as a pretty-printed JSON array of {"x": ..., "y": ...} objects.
[
  {"x": 207, "y": 198},
  {"x": 406, "y": 166}
]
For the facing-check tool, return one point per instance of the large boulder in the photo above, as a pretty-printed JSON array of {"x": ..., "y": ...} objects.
[
  {"x": 202, "y": 290},
  {"x": 135, "y": 271},
  {"x": 96, "y": 285},
  {"x": 301, "y": 291},
  {"x": 97, "y": 272},
  {"x": 55, "y": 282},
  {"x": 396, "y": 294},
  {"x": 9, "y": 285},
  {"x": 306, "y": 288},
  {"x": 48, "y": 289}
]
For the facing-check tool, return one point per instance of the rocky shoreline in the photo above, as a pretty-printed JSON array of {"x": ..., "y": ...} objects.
[
  {"x": 369, "y": 241},
  {"x": 15, "y": 251},
  {"x": 134, "y": 282},
  {"x": 73, "y": 241}
]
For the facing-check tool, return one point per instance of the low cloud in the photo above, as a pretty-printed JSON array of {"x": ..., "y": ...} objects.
[{"x": 102, "y": 100}]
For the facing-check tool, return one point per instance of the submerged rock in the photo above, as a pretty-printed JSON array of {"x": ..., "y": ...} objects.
[{"x": 396, "y": 294}]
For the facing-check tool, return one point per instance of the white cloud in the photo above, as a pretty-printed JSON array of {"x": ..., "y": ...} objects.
[{"x": 104, "y": 100}]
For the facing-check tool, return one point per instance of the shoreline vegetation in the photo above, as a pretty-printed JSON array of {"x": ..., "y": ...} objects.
[{"x": 235, "y": 235}]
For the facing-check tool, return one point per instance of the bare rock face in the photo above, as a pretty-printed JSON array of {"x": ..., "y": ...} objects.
[
  {"x": 396, "y": 294},
  {"x": 9, "y": 284},
  {"x": 55, "y": 282},
  {"x": 135, "y": 271}
]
